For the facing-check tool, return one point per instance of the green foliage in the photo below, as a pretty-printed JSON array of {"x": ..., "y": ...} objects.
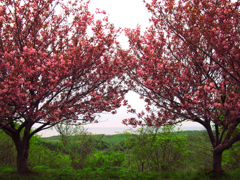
[
  {"x": 114, "y": 158},
  {"x": 231, "y": 157},
  {"x": 201, "y": 151},
  {"x": 118, "y": 173},
  {"x": 39, "y": 155},
  {"x": 156, "y": 149},
  {"x": 107, "y": 159},
  {"x": 170, "y": 151},
  {"x": 7, "y": 150},
  {"x": 78, "y": 143},
  {"x": 161, "y": 153},
  {"x": 112, "y": 139},
  {"x": 8, "y": 154}
]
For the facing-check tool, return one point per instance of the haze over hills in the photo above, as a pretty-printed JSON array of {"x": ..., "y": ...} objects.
[{"x": 113, "y": 130}]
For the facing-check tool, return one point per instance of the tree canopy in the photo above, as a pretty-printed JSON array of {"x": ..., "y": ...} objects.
[
  {"x": 57, "y": 64},
  {"x": 186, "y": 66}
]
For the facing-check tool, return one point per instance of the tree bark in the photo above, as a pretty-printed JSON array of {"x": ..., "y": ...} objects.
[
  {"x": 217, "y": 160},
  {"x": 22, "y": 148},
  {"x": 142, "y": 166}
]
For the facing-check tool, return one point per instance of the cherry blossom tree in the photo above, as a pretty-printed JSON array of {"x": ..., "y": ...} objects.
[
  {"x": 57, "y": 64},
  {"x": 187, "y": 68}
]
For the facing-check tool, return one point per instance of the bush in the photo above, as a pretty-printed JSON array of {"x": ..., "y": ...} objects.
[
  {"x": 78, "y": 143},
  {"x": 157, "y": 149},
  {"x": 8, "y": 154}
]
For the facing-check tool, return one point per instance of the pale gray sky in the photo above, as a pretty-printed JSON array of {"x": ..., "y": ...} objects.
[{"x": 123, "y": 13}]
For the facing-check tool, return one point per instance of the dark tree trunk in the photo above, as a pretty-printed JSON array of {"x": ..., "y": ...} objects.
[
  {"x": 22, "y": 147},
  {"x": 142, "y": 166},
  {"x": 217, "y": 160},
  {"x": 22, "y": 159}
]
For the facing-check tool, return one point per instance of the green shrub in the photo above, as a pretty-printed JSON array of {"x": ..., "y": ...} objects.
[{"x": 157, "y": 149}]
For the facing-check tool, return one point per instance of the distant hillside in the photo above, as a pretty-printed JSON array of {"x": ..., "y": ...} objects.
[
  {"x": 116, "y": 138},
  {"x": 51, "y": 138},
  {"x": 110, "y": 139},
  {"x": 192, "y": 132}
]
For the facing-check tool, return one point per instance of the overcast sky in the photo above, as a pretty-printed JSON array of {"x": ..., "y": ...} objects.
[{"x": 123, "y": 13}]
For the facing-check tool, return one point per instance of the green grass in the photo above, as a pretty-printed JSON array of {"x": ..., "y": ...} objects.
[{"x": 107, "y": 173}]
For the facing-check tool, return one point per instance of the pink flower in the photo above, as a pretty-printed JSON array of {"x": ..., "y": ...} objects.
[{"x": 212, "y": 84}]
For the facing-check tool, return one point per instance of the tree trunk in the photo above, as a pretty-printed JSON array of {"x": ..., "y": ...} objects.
[
  {"x": 217, "y": 160},
  {"x": 142, "y": 166},
  {"x": 22, "y": 148}
]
